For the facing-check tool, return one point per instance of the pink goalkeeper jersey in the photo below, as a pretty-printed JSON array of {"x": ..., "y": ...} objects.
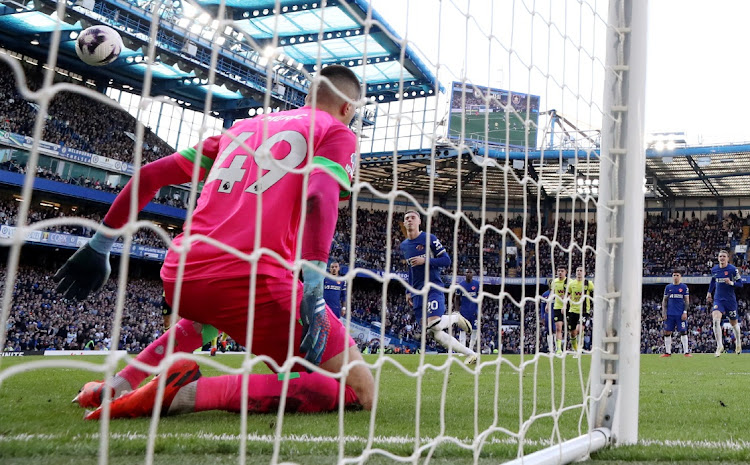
[{"x": 227, "y": 207}]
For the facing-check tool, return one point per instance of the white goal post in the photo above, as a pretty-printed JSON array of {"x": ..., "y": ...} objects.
[{"x": 615, "y": 372}]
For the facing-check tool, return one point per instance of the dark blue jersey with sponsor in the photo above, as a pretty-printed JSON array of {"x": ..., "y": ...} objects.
[
  {"x": 675, "y": 294},
  {"x": 333, "y": 293},
  {"x": 719, "y": 288},
  {"x": 439, "y": 258},
  {"x": 468, "y": 289}
]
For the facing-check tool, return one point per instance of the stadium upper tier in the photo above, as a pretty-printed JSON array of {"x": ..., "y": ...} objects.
[
  {"x": 263, "y": 50},
  {"x": 473, "y": 172},
  {"x": 70, "y": 122}
]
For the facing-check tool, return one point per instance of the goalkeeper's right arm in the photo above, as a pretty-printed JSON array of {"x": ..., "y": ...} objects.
[{"x": 88, "y": 269}]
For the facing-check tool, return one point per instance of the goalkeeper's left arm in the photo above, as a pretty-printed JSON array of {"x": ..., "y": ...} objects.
[
  {"x": 88, "y": 269},
  {"x": 320, "y": 225}
]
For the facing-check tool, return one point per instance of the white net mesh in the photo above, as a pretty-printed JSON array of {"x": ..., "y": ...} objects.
[{"x": 498, "y": 154}]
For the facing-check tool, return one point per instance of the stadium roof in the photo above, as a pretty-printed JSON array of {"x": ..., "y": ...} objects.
[
  {"x": 697, "y": 171},
  {"x": 298, "y": 39}
]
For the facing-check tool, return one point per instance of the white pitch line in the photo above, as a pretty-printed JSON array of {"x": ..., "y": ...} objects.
[
  {"x": 304, "y": 438},
  {"x": 260, "y": 438},
  {"x": 731, "y": 445}
]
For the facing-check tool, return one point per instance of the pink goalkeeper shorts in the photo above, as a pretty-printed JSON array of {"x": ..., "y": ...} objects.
[{"x": 224, "y": 303}]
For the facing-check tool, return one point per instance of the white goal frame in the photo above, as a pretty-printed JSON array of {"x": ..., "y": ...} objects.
[
  {"x": 615, "y": 362},
  {"x": 615, "y": 369}
]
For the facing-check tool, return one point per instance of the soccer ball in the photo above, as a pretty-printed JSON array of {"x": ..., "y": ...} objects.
[{"x": 98, "y": 45}]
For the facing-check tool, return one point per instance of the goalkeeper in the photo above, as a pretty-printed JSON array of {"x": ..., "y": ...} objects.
[{"x": 215, "y": 287}]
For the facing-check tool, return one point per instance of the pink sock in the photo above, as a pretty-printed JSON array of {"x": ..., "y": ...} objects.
[
  {"x": 309, "y": 393},
  {"x": 186, "y": 340}
]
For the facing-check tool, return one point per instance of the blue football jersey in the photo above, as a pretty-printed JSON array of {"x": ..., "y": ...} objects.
[
  {"x": 720, "y": 289},
  {"x": 675, "y": 294},
  {"x": 468, "y": 288},
  {"x": 418, "y": 247},
  {"x": 543, "y": 303},
  {"x": 333, "y": 291}
]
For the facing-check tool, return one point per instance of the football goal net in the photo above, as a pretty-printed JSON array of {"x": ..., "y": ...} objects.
[{"x": 544, "y": 241}]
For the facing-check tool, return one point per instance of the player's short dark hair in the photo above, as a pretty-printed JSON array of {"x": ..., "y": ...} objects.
[
  {"x": 343, "y": 79},
  {"x": 677, "y": 271},
  {"x": 562, "y": 267}
]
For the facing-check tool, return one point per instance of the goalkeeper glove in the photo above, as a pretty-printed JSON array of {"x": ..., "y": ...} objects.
[
  {"x": 316, "y": 326},
  {"x": 87, "y": 270}
]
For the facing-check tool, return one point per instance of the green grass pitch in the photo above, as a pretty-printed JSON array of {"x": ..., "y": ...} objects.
[
  {"x": 691, "y": 411},
  {"x": 495, "y": 127}
]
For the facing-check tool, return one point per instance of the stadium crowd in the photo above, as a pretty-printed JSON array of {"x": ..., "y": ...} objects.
[
  {"x": 40, "y": 320},
  {"x": 69, "y": 122},
  {"x": 690, "y": 244},
  {"x": 9, "y": 216},
  {"x": 693, "y": 249},
  {"x": 100, "y": 184}
]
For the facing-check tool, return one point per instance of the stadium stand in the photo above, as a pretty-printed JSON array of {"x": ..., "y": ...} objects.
[
  {"x": 689, "y": 243},
  {"x": 69, "y": 122},
  {"x": 40, "y": 319},
  {"x": 693, "y": 249}
]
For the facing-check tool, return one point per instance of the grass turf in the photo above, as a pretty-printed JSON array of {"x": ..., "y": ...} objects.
[{"x": 691, "y": 410}]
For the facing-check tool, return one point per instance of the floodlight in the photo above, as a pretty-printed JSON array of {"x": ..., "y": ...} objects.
[
  {"x": 189, "y": 11},
  {"x": 204, "y": 18},
  {"x": 269, "y": 51}
]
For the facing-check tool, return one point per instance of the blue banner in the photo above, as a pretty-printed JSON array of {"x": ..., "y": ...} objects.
[
  {"x": 79, "y": 192},
  {"x": 71, "y": 241},
  {"x": 67, "y": 153}
]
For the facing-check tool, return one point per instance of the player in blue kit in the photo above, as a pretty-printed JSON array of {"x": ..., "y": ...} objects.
[
  {"x": 674, "y": 311},
  {"x": 545, "y": 319},
  {"x": 334, "y": 290},
  {"x": 725, "y": 277},
  {"x": 415, "y": 248},
  {"x": 468, "y": 307}
]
